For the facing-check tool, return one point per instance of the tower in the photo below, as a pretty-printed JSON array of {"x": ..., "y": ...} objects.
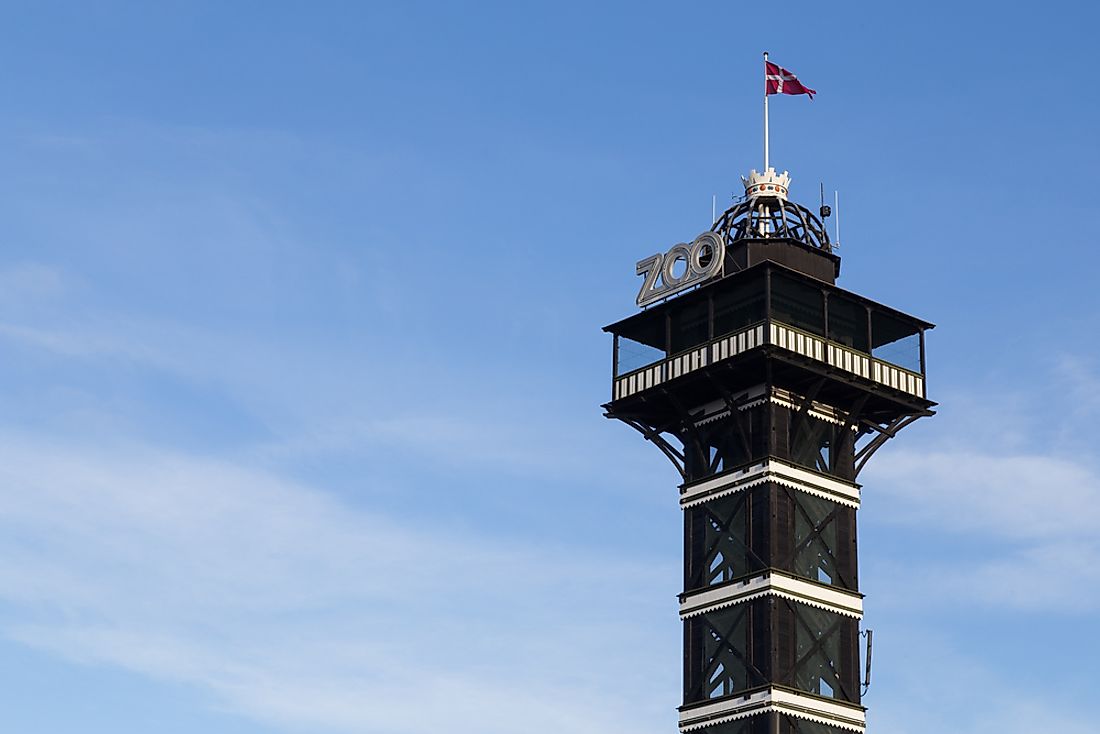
[{"x": 769, "y": 388}]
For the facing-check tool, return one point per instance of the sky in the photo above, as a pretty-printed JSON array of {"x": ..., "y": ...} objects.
[{"x": 301, "y": 360}]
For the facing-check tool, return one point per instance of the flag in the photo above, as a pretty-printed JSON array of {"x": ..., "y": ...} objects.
[{"x": 778, "y": 80}]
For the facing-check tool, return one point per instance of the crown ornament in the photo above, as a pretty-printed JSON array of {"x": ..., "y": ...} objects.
[{"x": 766, "y": 184}]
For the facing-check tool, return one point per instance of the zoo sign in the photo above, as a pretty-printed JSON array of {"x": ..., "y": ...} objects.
[{"x": 702, "y": 259}]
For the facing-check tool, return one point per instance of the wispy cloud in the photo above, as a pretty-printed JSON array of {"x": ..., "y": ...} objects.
[
  {"x": 1031, "y": 521},
  {"x": 1028, "y": 508},
  {"x": 290, "y": 606},
  {"x": 1011, "y": 496},
  {"x": 338, "y": 400},
  {"x": 293, "y": 605},
  {"x": 29, "y": 281}
]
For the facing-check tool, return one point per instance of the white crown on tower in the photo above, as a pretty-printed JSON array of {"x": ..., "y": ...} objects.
[{"x": 768, "y": 183}]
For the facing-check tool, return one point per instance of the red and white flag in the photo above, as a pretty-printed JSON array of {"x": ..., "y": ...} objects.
[{"x": 778, "y": 80}]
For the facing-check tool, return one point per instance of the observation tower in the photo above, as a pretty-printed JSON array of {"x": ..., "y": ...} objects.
[{"x": 769, "y": 388}]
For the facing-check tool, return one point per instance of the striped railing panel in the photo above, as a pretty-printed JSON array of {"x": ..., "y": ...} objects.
[{"x": 780, "y": 335}]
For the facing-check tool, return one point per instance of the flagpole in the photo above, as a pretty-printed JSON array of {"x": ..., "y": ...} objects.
[{"x": 765, "y": 112}]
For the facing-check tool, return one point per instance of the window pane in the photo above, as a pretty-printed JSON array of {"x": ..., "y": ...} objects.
[
  {"x": 848, "y": 323},
  {"x": 721, "y": 547},
  {"x": 740, "y": 306},
  {"x": 815, "y": 539},
  {"x": 720, "y": 654},
  {"x": 895, "y": 341},
  {"x": 797, "y": 304},
  {"x": 817, "y": 651},
  {"x": 689, "y": 326},
  {"x": 792, "y": 725},
  {"x": 635, "y": 355}
]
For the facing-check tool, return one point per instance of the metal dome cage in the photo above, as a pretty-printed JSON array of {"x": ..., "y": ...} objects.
[{"x": 767, "y": 217}]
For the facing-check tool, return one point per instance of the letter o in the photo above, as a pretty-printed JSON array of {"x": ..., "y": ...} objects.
[
  {"x": 677, "y": 252},
  {"x": 710, "y": 240}
]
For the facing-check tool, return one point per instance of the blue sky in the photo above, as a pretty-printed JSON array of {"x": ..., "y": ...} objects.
[{"x": 300, "y": 311}]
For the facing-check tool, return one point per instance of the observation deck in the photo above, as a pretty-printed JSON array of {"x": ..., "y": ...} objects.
[{"x": 807, "y": 324}]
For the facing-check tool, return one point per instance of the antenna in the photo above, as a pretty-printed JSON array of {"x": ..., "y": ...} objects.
[
  {"x": 836, "y": 203},
  {"x": 825, "y": 209},
  {"x": 713, "y": 208},
  {"x": 869, "y": 634}
]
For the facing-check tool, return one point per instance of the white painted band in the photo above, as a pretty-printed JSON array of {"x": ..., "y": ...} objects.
[
  {"x": 773, "y": 583},
  {"x": 770, "y": 470},
  {"x": 812, "y": 708}
]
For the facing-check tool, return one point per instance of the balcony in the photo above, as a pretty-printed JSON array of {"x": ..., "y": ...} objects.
[
  {"x": 769, "y": 305},
  {"x": 781, "y": 335}
]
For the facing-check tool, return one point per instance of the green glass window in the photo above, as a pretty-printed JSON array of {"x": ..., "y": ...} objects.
[
  {"x": 690, "y": 326},
  {"x": 895, "y": 341},
  {"x": 848, "y": 323},
  {"x": 797, "y": 304},
  {"x": 741, "y": 306}
]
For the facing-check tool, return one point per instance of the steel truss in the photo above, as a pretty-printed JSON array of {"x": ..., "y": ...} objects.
[{"x": 698, "y": 445}]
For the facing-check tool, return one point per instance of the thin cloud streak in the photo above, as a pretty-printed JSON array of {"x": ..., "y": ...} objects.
[
  {"x": 288, "y": 606},
  {"x": 1011, "y": 496},
  {"x": 1032, "y": 506},
  {"x": 1037, "y": 517},
  {"x": 316, "y": 408}
]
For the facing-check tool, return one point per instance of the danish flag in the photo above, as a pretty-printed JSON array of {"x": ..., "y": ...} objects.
[{"x": 778, "y": 80}]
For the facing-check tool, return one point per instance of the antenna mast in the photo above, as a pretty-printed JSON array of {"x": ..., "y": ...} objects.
[
  {"x": 869, "y": 634},
  {"x": 836, "y": 206}
]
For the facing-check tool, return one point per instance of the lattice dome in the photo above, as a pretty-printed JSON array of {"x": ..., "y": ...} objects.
[{"x": 766, "y": 213}]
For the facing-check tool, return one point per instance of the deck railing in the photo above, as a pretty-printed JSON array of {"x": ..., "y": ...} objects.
[{"x": 777, "y": 334}]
